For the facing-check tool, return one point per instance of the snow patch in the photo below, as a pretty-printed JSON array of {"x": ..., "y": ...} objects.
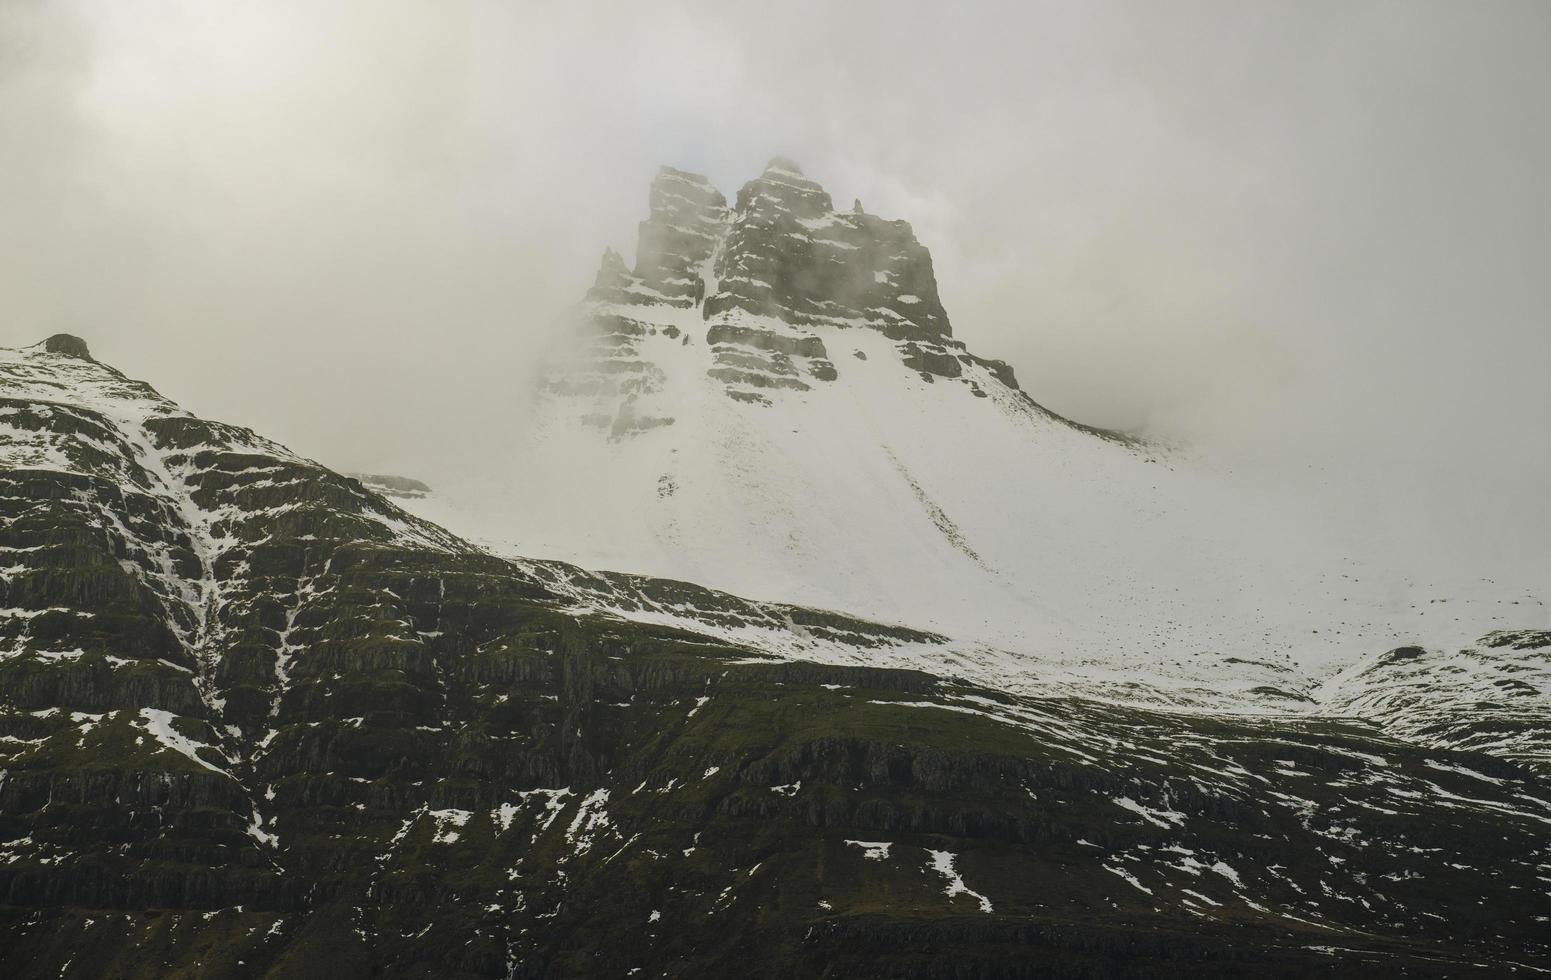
[
  {"x": 943, "y": 863},
  {"x": 877, "y": 850}
]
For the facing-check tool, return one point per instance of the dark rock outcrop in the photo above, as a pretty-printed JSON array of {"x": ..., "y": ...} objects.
[
  {"x": 389, "y": 485},
  {"x": 791, "y": 256},
  {"x": 67, "y": 344},
  {"x": 687, "y": 217}
]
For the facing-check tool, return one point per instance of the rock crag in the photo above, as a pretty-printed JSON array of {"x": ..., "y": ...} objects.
[{"x": 753, "y": 295}]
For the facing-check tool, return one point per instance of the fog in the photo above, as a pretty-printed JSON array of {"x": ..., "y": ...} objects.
[{"x": 1321, "y": 230}]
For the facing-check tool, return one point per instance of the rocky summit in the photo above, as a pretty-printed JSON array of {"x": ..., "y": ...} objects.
[
  {"x": 763, "y": 279},
  {"x": 257, "y": 721}
]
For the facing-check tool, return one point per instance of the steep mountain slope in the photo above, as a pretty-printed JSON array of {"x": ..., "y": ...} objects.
[
  {"x": 772, "y": 402},
  {"x": 256, "y": 721}
]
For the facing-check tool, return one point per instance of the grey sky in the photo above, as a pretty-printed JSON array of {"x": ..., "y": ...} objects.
[{"x": 351, "y": 225}]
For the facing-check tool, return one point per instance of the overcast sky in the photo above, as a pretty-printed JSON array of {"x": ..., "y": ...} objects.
[{"x": 1312, "y": 225}]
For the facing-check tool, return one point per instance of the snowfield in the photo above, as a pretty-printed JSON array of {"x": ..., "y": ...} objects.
[{"x": 1053, "y": 558}]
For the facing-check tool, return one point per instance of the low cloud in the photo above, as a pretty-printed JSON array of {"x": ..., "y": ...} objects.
[{"x": 355, "y": 225}]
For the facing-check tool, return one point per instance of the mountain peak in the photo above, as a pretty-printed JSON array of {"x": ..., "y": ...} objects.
[
  {"x": 612, "y": 273},
  {"x": 672, "y": 183},
  {"x": 69, "y": 345},
  {"x": 792, "y": 256},
  {"x": 764, "y": 287}
]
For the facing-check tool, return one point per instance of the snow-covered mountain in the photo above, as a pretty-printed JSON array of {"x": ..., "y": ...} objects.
[
  {"x": 257, "y": 721},
  {"x": 772, "y": 402}
]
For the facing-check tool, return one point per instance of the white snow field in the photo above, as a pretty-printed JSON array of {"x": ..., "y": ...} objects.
[{"x": 1049, "y": 554}]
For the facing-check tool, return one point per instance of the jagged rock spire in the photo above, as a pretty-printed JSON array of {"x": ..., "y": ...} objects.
[
  {"x": 611, "y": 272},
  {"x": 612, "y": 283}
]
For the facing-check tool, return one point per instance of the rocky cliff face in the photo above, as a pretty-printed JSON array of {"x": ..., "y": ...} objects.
[
  {"x": 257, "y": 721},
  {"x": 763, "y": 281},
  {"x": 791, "y": 256}
]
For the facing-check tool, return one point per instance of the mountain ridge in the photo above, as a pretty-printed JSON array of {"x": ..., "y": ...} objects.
[{"x": 255, "y": 720}]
